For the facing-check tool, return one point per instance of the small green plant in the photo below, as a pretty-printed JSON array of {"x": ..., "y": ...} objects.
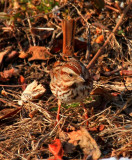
[
  {"x": 72, "y": 105},
  {"x": 47, "y": 5}
]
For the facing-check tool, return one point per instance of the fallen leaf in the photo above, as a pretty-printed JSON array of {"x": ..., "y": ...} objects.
[
  {"x": 56, "y": 149},
  {"x": 23, "y": 55},
  {"x": 75, "y": 137},
  {"x": 39, "y": 53},
  {"x": 32, "y": 91},
  {"x": 100, "y": 39},
  {"x": 21, "y": 81},
  {"x": 12, "y": 56},
  {"x": 5, "y": 53},
  {"x": 64, "y": 137},
  {"x": 2, "y": 54},
  {"x": 8, "y": 113},
  {"x": 7, "y": 74},
  {"x": 86, "y": 142},
  {"x": 101, "y": 127}
]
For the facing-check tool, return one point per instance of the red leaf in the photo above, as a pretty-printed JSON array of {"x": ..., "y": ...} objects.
[
  {"x": 100, "y": 39},
  {"x": 56, "y": 149},
  {"x": 101, "y": 127},
  {"x": 21, "y": 81}
]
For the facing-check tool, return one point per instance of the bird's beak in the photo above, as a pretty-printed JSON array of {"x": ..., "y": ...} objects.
[{"x": 81, "y": 79}]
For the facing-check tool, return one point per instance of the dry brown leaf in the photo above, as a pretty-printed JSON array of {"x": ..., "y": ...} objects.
[
  {"x": 5, "y": 52},
  {"x": 89, "y": 145},
  {"x": 86, "y": 142},
  {"x": 7, "y": 74},
  {"x": 8, "y": 113},
  {"x": 2, "y": 54},
  {"x": 32, "y": 91},
  {"x": 39, "y": 53},
  {"x": 12, "y": 56},
  {"x": 23, "y": 55}
]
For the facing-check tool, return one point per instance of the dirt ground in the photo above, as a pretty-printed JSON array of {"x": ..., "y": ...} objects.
[{"x": 31, "y": 41}]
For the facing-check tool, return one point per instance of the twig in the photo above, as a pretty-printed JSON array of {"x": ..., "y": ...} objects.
[
  {"x": 101, "y": 50},
  {"x": 4, "y": 85},
  {"x": 42, "y": 110},
  {"x": 112, "y": 8},
  {"x": 127, "y": 104},
  {"x": 80, "y": 14},
  {"x": 94, "y": 116},
  {"x": 47, "y": 13},
  {"x": 6, "y": 102},
  {"x": 30, "y": 26},
  {"x": 88, "y": 52}
]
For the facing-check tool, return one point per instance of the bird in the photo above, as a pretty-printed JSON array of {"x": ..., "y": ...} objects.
[{"x": 70, "y": 82}]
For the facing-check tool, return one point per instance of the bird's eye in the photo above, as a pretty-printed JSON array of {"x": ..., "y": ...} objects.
[{"x": 71, "y": 75}]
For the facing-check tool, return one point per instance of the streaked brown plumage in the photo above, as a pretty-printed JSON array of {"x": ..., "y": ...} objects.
[{"x": 70, "y": 82}]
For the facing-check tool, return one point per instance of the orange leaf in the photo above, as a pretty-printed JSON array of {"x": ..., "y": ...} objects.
[
  {"x": 107, "y": 69},
  {"x": 56, "y": 149},
  {"x": 23, "y": 55},
  {"x": 101, "y": 127},
  {"x": 7, "y": 74},
  {"x": 39, "y": 53},
  {"x": 21, "y": 81},
  {"x": 100, "y": 39},
  {"x": 83, "y": 139}
]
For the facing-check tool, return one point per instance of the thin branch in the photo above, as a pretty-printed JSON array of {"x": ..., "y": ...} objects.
[{"x": 101, "y": 50}]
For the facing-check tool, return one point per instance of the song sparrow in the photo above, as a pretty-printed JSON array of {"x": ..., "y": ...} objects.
[{"x": 70, "y": 82}]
